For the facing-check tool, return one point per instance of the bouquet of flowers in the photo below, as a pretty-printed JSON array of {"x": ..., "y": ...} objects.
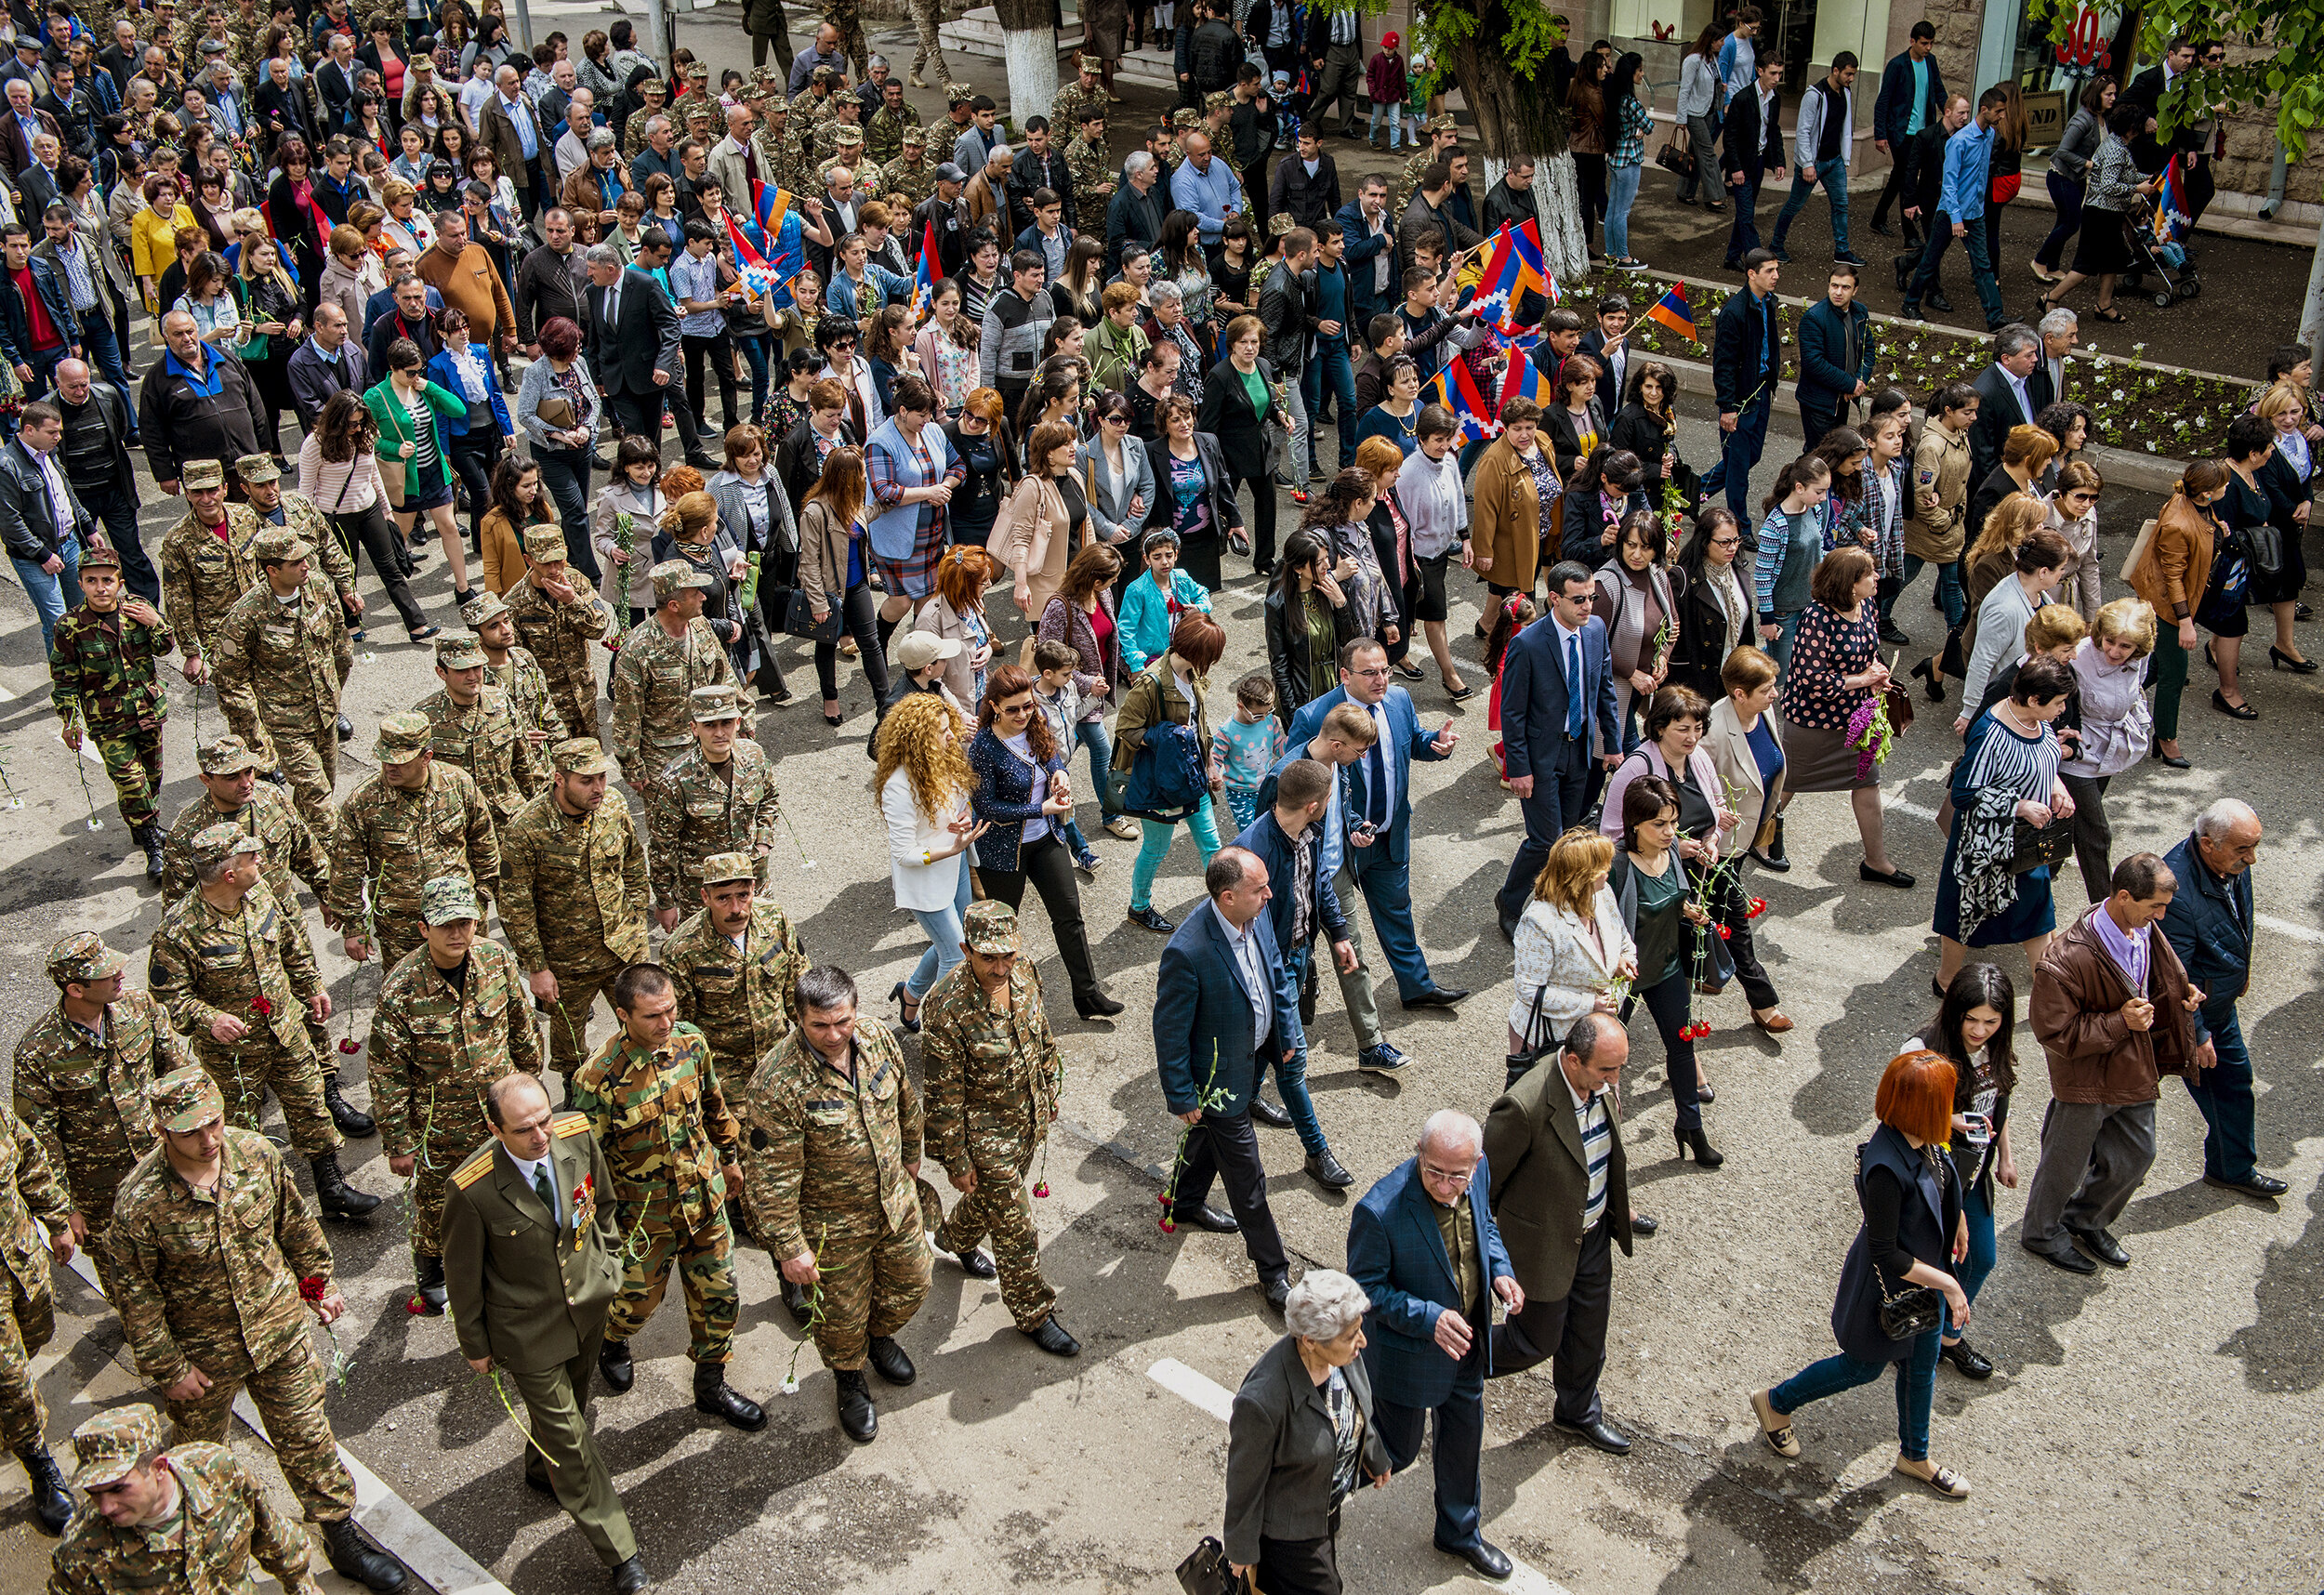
[{"x": 1869, "y": 734}]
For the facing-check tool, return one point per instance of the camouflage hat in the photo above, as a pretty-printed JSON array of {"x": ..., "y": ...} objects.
[
  {"x": 457, "y": 654},
  {"x": 764, "y": 77},
  {"x": 777, "y": 106},
  {"x": 673, "y": 576},
  {"x": 258, "y": 468},
  {"x": 715, "y": 703},
  {"x": 186, "y": 1099},
  {"x": 446, "y": 898},
  {"x": 109, "y": 1446},
  {"x": 402, "y": 737},
  {"x": 847, "y": 134},
  {"x": 200, "y": 474},
  {"x": 279, "y": 544},
  {"x": 825, "y": 74},
  {"x": 83, "y": 956},
  {"x": 957, "y": 94},
  {"x": 483, "y": 609},
  {"x": 990, "y": 927},
  {"x": 1185, "y": 116},
  {"x": 720, "y": 868},
  {"x": 1093, "y": 65},
  {"x": 1217, "y": 100},
  {"x": 580, "y": 756},
  {"x": 698, "y": 70},
  {"x": 225, "y": 755},
  {"x": 102, "y": 557},
  {"x": 1441, "y": 124},
  {"x": 916, "y": 134},
  {"x": 1280, "y": 223},
  {"x": 544, "y": 542},
  {"x": 216, "y": 844}
]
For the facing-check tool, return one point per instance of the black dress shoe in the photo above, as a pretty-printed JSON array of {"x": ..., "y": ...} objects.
[
  {"x": 1973, "y": 1363},
  {"x": 1267, "y": 1114},
  {"x": 1895, "y": 877},
  {"x": 537, "y": 1473},
  {"x": 1437, "y": 996},
  {"x": 1146, "y": 918},
  {"x": 1489, "y": 1561},
  {"x": 2262, "y": 1187},
  {"x": 715, "y": 1398},
  {"x": 1645, "y": 1224},
  {"x": 1050, "y": 1335},
  {"x": 2171, "y": 760},
  {"x": 629, "y": 1577},
  {"x": 613, "y": 1365},
  {"x": 1098, "y": 1007},
  {"x": 1326, "y": 1171},
  {"x": 2065, "y": 1257},
  {"x": 794, "y": 1300},
  {"x": 1599, "y": 1433},
  {"x": 429, "y": 1285},
  {"x": 2100, "y": 1244},
  {"x": 858, "y": 1419},
  {"x": 346, "y": 729},
  {"x": 2233, "y": 711},
  {"x": 1204, "y": 1216},
  {"x": 1939, "y": 302},
  {"x": 975, "y": 1264},
  {"x": 888, "y": 1361},
  {"x": 1277, "y": 1291},
  {"x": 1883, "y": 229}
]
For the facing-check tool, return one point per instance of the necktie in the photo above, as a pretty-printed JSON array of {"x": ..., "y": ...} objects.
[
  {"x": 1576, "y": 719},
  {"x": 1376, "y": 787},
  {"x": 544, "y": 1188}
]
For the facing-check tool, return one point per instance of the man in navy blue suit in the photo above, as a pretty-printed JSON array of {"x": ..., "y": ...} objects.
[
  {"x": 1546, "y": 725},
  {"x": 1225, "y": 998},
  {"x": 1423, "y": 1245},
  {"x": 1379, "y": 809}
]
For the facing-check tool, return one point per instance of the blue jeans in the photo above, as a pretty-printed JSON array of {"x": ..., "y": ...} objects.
[
  {"x": 1154, "y": 846},
  {"x": 1781, "y": 649},
  {"x": 1739, "y": 451},
  {"x": 52, "y": 595},
  {"x": 104, "y": 349},
  {"x": 2225, "y": 1096},
  {"x": 942, "y": 926},
  {"x": 1916, "y": 1388},
  {"x": 1949, "y": 590},
  {"x": 755, "y": 351},
  {"x": 1621, "y": 186},
  {"x": 1093, "y": 735},
  {"x": 1395, "y": 124},
  {"x": 1833, "y": 176},
  {"x": 1983, "y": 1250},
  {"x": 1291, "y": 1079},
  {"x": 1330, "y": 359},
  {"x": 1980, "y": 265},
  {"x": 1743, "y": 237}
]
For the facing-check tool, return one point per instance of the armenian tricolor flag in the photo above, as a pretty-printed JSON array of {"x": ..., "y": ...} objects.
[
  {"x": 2170, "y": 205},
  {"x": 1671, "y": 311},
  {"x": 1457, "y": 390},
  {"x": 925, "y": 278}
]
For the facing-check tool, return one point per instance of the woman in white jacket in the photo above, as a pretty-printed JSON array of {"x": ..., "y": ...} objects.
[
  {"x": 2118, "y": 727},
  {"x": 924, "y": 784},
  {"x": 1571, "y": 945}
]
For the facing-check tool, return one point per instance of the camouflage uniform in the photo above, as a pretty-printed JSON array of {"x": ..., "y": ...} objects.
[
  {"x": 227, "y": 1519},
  {"x": 195, "y": 1291},
  {"x": 883, "y": 135},
  {"x": 102, "y": 672},
  {"x": 562, "y": 636},
  {"x": 829, "y": 1172},
  {"x": 928, "y": 18},
  {"x": 842, "y": 16},
  {"x": 573, "y": 900},
  {"x": 29, "y": 1189},
  {"x": 694, "y": 808},
  {"x": 394, "y": 842},
  {"x": 299, "y": 515},
  {"x": 279, "y": 673},
  {"x": 435, "y": 1048},
  {"x": 668, "y": 1135},
  {"x": 744, "y": 999},
  {"x": 992, "y": 1076},
  {"x": 1065, "y": 112},
  {"x": 201, "y": 576},
  {"x": 654, "y": 678},
  {"x": 83, "y": 1095},
  {"x": 909, "y": 178},
  {"x": 841, "y": 144},
  {"x": 1095, "y": 177},
  {"x": 519, "y": 675},
  {"x": 484, "y": 738},
  {"x": 1409, "y": 183}
]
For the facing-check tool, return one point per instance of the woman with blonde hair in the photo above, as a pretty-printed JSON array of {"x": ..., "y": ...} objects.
[
  {"x": 958, "y": 611},
  {"x": 833, "y": 564},
  {"x": 2025, "y": 454},
  {"x": 924, "y": 784},
  {"x": 691, "y": 531},
  {"x": 2288, "y": 476},
  {"x": 154, "y": 238},
  {"x": 1571, "y": 947},
  {"x": 2116, "y": 731},
  {"x": 403, "y": 226}
]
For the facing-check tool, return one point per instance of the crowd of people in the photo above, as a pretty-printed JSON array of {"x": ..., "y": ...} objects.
[{"x": 1001, "y": 415}]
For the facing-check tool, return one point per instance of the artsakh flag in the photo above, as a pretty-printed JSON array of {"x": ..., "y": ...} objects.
[
  {"x": 1513, "y": 269},
  {"x": 771, "y": 205},
  {"x": 925, "y": 278},
  {"x": 752, "y": 267},
  {"x": 1455, "y": 388},
  {"x": 1524, "y": 380},
  {"x": 2170, "y": 205},
  {"x": 1671, "y": 311}
]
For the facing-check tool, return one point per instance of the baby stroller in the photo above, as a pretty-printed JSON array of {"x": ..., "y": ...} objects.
[{"x": 2166, "y": 258}]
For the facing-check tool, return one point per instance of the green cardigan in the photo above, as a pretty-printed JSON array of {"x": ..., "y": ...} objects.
[{"x": 395, "y": 427}]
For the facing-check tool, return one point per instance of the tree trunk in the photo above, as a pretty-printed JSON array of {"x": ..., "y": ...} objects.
[
  {"x": 2312, "y": 314},
  {"x": 1029, "y": 44},
  {"x": 1516, "y": 118}
]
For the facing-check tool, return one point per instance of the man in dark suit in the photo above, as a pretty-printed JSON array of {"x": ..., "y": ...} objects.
[
  {"x": 1225, "y": 998},
  {"x": 335, "y": 82},
  {"x": 2010, "y": 392},
  {"x": 1751, "y": 152},
  {"x": 1546, "y": 724},
  {"x": 1912, "y": 96},
  {"x": 1837, "y": 353},
  {"x": 629, "y": 337},
  {"x": 1746, "y": 364},
  {"x": 2151, "y": 152},
  {"x": 1608, "y": 345},
  {"x": 531, "y": 1250},
  {"x": 1369, "y": 251},
  {"x": 1424, "y": 1244},
  {"x": 1379, "y": 809},
  {"x": 509, "y": 126},
  {"x": 1561, "y": 1200}
]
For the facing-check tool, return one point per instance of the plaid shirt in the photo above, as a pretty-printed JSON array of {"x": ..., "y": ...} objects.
[{"x": 1629, "y": 143}]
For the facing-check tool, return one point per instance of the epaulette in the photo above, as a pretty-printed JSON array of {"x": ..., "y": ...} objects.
[
  {"x": 471, "y": 1171},
  {"x": 565, "y": 1124}
]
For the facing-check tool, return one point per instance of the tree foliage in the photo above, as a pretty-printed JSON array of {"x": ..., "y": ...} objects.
[
  {"x": 1497, "y": 51},
  {"x": 2288, "y": 68}
]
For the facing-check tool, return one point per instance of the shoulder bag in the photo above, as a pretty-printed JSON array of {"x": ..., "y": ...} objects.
[
  {"x": 799, "y": 612},
  {"x": 1677, "y": 155},
  {"x": 1207, "y": 1570},
  {"x": 1911, "y": 1313},
  {"x": 1534, "y": 1047}
]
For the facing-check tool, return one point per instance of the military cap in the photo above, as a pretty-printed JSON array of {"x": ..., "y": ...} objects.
[
  {"x": 1216, "y": 99},
  {"x": 1185, "y": 116},
  {"x": 720, "y": 868},
  {"x": 279, "y": 544},
  {"x": 922, "y": 649},
  {"x": 957, "y": 94},
  {"x": 763, "y": 76},
  {"x": 1091, "y": 64},
  {"x": 847, "y": 134},
  {"x": 989, "y": 928},
  {"x": 204, "y": 473},
  {"x": 402, "y": 737},
  {"x": 673, "y": 576},
  {"x": 102, "y": 557},
  {"x": 258, "y": 468},
  {"x": 778, "y": 105},
  {"x": 224, "y": 756},
  {"x": 1441, "y": 124},
  {"x": 824, "y": 74},
  {"x": 916, "y": 134},
  {"x": 216, "y": 844},
  {"x": 109, "y": 1446},
  {"x": 83, "y": 956},
  {"x": 580, "y": 756},
  {"x": 715, "y": 703},
  {"x": 544, "y": 542},
  {"x": 446, "y": 898},
  {"x": 186, "y": 1099},
  {"x": 697, "y": 70},
  {"x": 457, "y": 652},
  {"x": 483, "y": 609},
  {"x": 1280, "y": 223}
]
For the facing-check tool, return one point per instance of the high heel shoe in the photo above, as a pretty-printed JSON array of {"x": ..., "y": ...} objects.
[
  {"x": 906, "y": 1010},
  {"x": 2233, "y": 711},
  {"x": 2282, "y": 661},
  {"x": 1694, "y": 1141},
  {"x": 2170, "y": 760},
  {"x": 1935, "y": 687}
]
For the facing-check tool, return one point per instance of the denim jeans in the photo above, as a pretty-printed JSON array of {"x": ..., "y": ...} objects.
[
  {"x": 52, "y": 595},
  {"x": 2225, "y": 1099},
  {"x": 1330, "y": 360},
  {"x": 755, "y": 352},
  {"x": 97, "y": 336},
  {"x": 1916, "y": 1388},
  {"x": 1291, "y": 1079},
  {"x": 1983, "y": 1250},
  {"x": 1621, "y": 193},
  {"x": 1093, "y": 735},
  {"x": 1833, "y": 176},
  {"x": 2067, "y": 195},
  {"x": 1788, "y": 628},
  {"x": 1743, "y": 237},
  {"x": 942, "y": 926},
  {"x": 1980, "y": 265},
  {"x": 1738, "y": 453},
  {"x": 1949, "y": 590},
  {"x": 1395, "y": 124},
  {"x": 1154, "y": 846}
]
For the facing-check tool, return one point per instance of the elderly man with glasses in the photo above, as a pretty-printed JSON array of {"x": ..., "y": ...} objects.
[{"x": 1557, "y": 687}]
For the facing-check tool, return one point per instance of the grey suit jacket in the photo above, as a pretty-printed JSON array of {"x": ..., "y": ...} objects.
[
  {"x": 521, "y": 1291},
  {"x": 1281, "y": 1450},
  {"x": 1533, "y": 1144}
]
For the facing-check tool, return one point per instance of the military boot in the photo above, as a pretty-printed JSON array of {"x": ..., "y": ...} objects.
[
  {"x": 714, "y": 1396},
  {"x": 352, "y": 1555},
  {"x": 857, "y": 1416},
  {"x": 795, "y": 1301},
  {"x": 334, "y": 1195},
  {"x": 612, "y": 1362},
  {"x": 52, "y": 1503},
  {"x": 428, "y": 1284},
  {"x": 149, "y": 836},
  {"x": 352, "y": 1121}
]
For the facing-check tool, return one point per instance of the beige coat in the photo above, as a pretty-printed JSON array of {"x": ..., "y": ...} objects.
[
  {"x": 1505, "y": 516},
  {"x": 940, "y": 619},
  {"x": 1940, "y": 462},
  {"x": 1730, "y": 749},
  {"x": 821, "y": 555},
  {"x": 1036, "y": 542}
]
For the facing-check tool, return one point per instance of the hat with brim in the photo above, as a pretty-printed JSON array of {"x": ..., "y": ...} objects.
[
  {"x": 215, "y": 844},
  {"x": 580, "y": 756},
  {"x": 402, "y": 737},
  {"x": 714, "y": 703},
  {"x": 201, "y": 474},
  {"x": 674, "y": 576},
  {"x": 109, "y": 1446},
  {"x": 448, "y": 898},
  {"x": 922, "y": 649},
  {"x": 721, "y": 869},
  {"x": 100, "y": 557},
  {"x": 82, "y": 956},
  {"x": 458, "y": 653},
  {"x": 279, "y": 545},
  {"x": 990, "y": 927},
  {"x": 545, "y": 544},
  {"x": 483, "y": 609},
  {"x": 225, "y": 755},
  {"x": 258, "y": 468},
  {"x": 186, "y": 1099}
]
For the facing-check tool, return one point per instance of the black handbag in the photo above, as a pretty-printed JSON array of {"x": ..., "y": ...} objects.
[
  {"x": 799, "y": 619},
  {"x": 2267, "y": 543},
  {"x": 1536, "y": 1048},
  {"x": 1207, "y": 1570},
  {"x": 1910, "y": 1313},
  {"x": 2032, "y": 845},
  {"x": 1677, "y": 155}
]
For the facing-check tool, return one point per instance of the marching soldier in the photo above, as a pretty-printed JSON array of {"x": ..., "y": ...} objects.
[
  {"x": 234, "y": 978},
  {"x": 282, "y": 656},
  {"x": 1444, "y": 138},
  {"x": 652, "y": 1096},
  {"x": 211, "y": 1308},
  {"x": 81, "y": 1070},
  {"x": 104, "y": 679},
  {"x": 835, "y": 1150},
  {"x": 560, "y": 624},
  {"x": 207, "y": 564},
  {"x": 268, "y": 506},
  {"x": 572, "y": 895},
  {"x": 29, "y": 1191},
  {"x": 453, "y": 1018},
  {"x": 735, "y": 966},
  {"x": 772, "y": 143},
  {"x": 190, "y": 1517},
  {"x": 842, "y": 15},
  {"x": 533, "y": 1259},
  {"x": 403, "y": 825},
  {"x": 661, "y": 663},
  {"x": 839, "y": 143},
  {"x": 928, "y": 18},
  {"x": 516, "y": 672},
  {"x": 719, "y": 796},
  {"x": 991, "y": 1073},
  {"x": 473, "y": 729}
]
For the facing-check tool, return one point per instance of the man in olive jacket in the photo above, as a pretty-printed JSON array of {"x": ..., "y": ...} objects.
[{"x": 530, "y": 1243}]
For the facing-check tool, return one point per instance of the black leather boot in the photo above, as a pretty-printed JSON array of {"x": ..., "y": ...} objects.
[
  {"x": 149, "y": 836},
  {"x": 52, "y": 1503},
  {"x": 429, "y": 1287},
  {"x": 352, "y": 1555},
  {"x": 795, "y": 1301},
  {"x": 889, "y": 1362},
  {"x": 714, "y": 1396},
  {"x": 612, "y": 1362},
  {"x": 858, "y": 1417},
  {"x": 334, "y": 1195},
  {"x": 352, "y": 1120}
]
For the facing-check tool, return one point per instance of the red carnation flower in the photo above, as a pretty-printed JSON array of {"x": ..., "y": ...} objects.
[
  {"x": 1726, "y": 933},
  {"x": 314, "y": 1287},
  {"x": 350, "y": 1045},
  {"x": 1042, "y": 1191},
  {"x": 414, "y": 1306},
  {"x": 1170, "y": 1226},
  {"x": 262, "y": 1006}
]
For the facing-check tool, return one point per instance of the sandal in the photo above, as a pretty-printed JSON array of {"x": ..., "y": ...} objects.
[
  {"x": 1944, "y": 1480},
  {"x": 1773, "y": 1427},
  {"x": 2108, "y": 313}
]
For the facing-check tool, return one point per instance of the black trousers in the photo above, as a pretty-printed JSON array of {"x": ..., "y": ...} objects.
[
  {"x": 721, "y": 350},
  {"x": 565, "y": 478},
  {"x": 1890, "y": 190},
  {"x": 1301, "y": 1566},
  {"x": 1050, "y": 867},
  {"x": 637, "y": 414},
  {"x": 1570, "y": 1332},
  {"x": 368, "y": 528},
  {"x": 472, "y": 456},
  {"x": 1670, "y": 1002},
  {"x": 1221, "y": 1147},
  {"x": 1730, "y": 905},
  {"x": 1261, "y": 526},
  {"x": 859, "y": 616},
  {"x": 116, "y": 508},
  {"x": 1818, "y": 419}
]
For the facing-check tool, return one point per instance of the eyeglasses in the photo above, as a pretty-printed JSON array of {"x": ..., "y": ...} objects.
[
  {"x": 1436, "y": 1176},
  {"x": 1015, "y": 709},
  {"x": 842, "y": 343},
  {"x": 1726, "y": 542},
  {"x": 1114, "y": 420},
  {"x": 1379, "y": 675}
]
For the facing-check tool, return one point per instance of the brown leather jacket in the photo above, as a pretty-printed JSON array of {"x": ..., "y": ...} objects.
[
  {"x": 2174, "y": 569},
  {"x": 2094, "y": 1055}
]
